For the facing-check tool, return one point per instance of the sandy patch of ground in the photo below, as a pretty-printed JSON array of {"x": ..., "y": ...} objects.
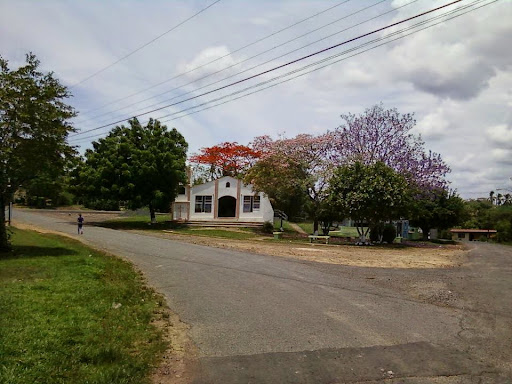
[{"x": 426, "y": 256}]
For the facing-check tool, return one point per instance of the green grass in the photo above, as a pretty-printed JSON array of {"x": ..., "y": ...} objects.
[
  {"x": 286, "y": 226},
  {"x": 138, "y": 222},
  {"x": 341, "y": 232},
  {"x": 58, "y": 324},
  {"x": 239, "y": 234},
  {"x": 307, "y": 226},
  {"x": 345, "y": 232},
  {"x": 143, "y": 223}
]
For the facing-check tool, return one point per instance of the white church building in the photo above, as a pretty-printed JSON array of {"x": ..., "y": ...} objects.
[{"x": 222, "y": 200}]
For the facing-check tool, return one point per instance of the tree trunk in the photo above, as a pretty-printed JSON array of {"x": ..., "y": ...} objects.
[
  {"x": 4, "y": 242},
  {"x": 152, "y": 214},
  {"x": 361, "y": 233},
  {"x": 315, "y": 225}
]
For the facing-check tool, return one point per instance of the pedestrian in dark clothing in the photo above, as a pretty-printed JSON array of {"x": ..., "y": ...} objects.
[{"x": 80, "y": 222}]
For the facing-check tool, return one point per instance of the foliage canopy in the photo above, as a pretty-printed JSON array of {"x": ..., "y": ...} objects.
[
  {"x": 34, "y": 126},
  {"x": 369, "y": 194},
  {"x": 138, "y": 165}
]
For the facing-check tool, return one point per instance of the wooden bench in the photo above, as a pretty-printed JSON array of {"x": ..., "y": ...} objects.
[{"x": 318, "y": 237}]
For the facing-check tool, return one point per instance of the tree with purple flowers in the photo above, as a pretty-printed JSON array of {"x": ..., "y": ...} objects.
[{"x": 384, "y": 135}]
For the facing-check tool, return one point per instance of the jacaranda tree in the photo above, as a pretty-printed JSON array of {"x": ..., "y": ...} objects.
[{"x": 384, "y": 135}]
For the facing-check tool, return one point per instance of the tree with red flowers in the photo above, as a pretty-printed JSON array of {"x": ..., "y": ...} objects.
[{"x": 226, "y": 159}]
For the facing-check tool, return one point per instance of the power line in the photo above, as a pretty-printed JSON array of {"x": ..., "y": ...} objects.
[
  {"x": 144, "y": 45},
  {"x": 277, "y": 67},
  {"x": 320, "y": 62},
  {"x": 222, "y": 57},
  {"x": 327, "y": 59},
  {"x": 254, "y": 56}
]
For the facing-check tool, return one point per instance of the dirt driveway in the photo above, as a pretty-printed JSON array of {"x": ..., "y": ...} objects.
[{"x": 419, "y": 256}]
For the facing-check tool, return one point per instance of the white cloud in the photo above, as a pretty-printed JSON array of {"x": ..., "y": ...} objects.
[
  {"x": 500, "y": 135},
  {"x": 435, "y": 62},
  {"x": 433, "y": 126},
  {"x": 503, "y": 156},
  {"x": 206, "y": 56}
]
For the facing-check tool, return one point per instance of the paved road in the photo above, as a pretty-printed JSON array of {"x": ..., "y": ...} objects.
[{"x": 262, "y": 319}]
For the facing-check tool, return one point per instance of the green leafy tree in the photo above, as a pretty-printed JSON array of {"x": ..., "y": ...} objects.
[
  {"x": 284, "y": 186},
  {"x": 34, "y": 126},
  {"x": 437, "y": 209},
  {"x": 369, "y": 194},
  {"x": 138, "y": 165}
]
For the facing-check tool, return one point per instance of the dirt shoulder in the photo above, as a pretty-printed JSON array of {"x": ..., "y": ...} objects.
[{"x": 420, "y": 256}]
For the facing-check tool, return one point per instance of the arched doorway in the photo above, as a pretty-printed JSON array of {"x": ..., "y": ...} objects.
[{"x": 227, "y": 206}]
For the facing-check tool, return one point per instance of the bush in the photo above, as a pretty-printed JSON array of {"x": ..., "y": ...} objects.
[
  {"x": 445, "y": 234},
  {"x": 504, "y": 228},
  {"x": 65, "y": 198},
  {"x": 389, "y": 233},
  {"x": 376, "y": 232},
  {"x": 103, "y": 205},
  {"x": 268, "y": 227},
  {"x": 441, "y": 241}
]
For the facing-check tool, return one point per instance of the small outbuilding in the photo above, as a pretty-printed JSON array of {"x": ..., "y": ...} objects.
[{"x": 471, "y": 234}]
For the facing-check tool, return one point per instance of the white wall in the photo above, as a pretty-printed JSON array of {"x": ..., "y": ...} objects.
[
  {"x": 265, "y": 213},
  {"x": 207, "y": 189}
]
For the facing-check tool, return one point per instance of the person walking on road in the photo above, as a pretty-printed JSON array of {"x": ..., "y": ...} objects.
[{"x": 80, "y": 222}]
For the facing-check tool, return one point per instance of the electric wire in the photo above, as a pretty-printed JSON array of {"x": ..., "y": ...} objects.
[
  {"x": 221, "y": 57},
  {"x": 275, "y": 68},
  {"x": 313, "y": 70},
  {"x": 144, "y": 45},
  {"x": 317, "y": 63},
  {"x": 250, "y": 58}
]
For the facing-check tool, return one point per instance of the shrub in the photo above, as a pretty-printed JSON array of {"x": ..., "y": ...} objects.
[
  {"x": 268, "y": 227},
  {"x": 389, "y": 233},
  {"x": 376, "y": 232},
  {"x": 65, "y": 198},
  {"x": 504, "y": 228},
  {"x": 442, "y": 241},
  {"x": 103, "y": 205}
]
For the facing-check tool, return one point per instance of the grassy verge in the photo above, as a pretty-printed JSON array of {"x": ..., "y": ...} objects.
[
  {"x": 286, "y": 226},
  {"x": 307, "y": 226},
  {"x": 163, "y": 223},
  {"x": 138, "y": 222},
  {"x": 238, "y": 234},
  {"x": 69, "y": 314},
  {"x": 346, "y": 232}
]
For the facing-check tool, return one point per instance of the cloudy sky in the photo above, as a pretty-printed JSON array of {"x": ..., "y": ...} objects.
[{"x": 455, "y": 76}]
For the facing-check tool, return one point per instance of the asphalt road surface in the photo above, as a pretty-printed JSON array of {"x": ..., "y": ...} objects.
[{"x": 263, "y": 319}]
